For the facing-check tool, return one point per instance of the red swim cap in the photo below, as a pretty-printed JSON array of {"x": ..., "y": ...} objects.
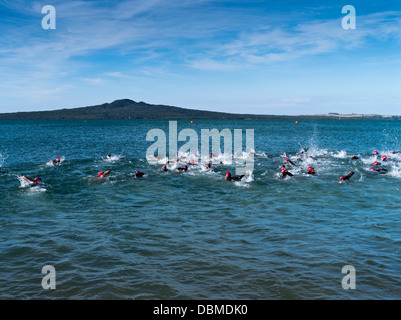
[
  {"x": 228, "y": 174},
  {"x": 375, "y": 163},
  {"x": 208, "y": 165},
  {"x": 137, "y": 172},
  {"x": 372, "y": 169},
  {"x": 375, "y": 152},
  {"x": 310, "y": 169},
  {"x": 286, "y": 160},
  {"x": 384, "y": 157},
  {"x": 342, "y": 177},
  {"x": 100, "y": 173}
]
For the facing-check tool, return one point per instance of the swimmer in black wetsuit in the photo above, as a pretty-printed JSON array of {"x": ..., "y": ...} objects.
[
  {"x": 304, "y": 150},
  {"x": 185, "y": 168},
  {"x": 58, "y": 160},
  {"x": 235, "y": 178},
  {"x": 380, "y": 170},
  {"x": 164, "y": 168},
  {"x": 311, "y": 170},
  {"x": 34, "y": 182},
  {"x": 285, "y": 173},
  {"x": 347, "y": 177},
  {"x": 288, "y": 161},
  {"x": 354, "y": 157},
  {"x": 138, "y": 174}
]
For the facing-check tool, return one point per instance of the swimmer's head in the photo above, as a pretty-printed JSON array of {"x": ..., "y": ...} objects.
[
  {"x": 208, "y": 165},
  {"x": 342, "y": 178},
  {"x": 192, "y": 161},
  {"x": 58, "y": 159},
  {"x": 137, "y": 172},
  {"x": 351, "y": 173},
  {"x": 376, "y": 163},
  {"x": 372, "y": 169},
  {"x": 100, "y": 173},
  {"x": 228, "y": 175},
  {"x": 384, "y": 157},
  {"x": 375, "y": 152},
  {"x": 37, "y": 179},
  {"x": 185, "y": 167},
  {"x": 310, "y": 169}
]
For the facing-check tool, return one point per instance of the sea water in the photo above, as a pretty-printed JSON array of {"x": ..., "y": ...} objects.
[{"x": 194, "y": 235}]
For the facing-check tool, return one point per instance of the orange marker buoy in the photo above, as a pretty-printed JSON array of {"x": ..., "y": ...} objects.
[
  {"x": 296, "y": 121},
  {"x": 192, "y": 122}
]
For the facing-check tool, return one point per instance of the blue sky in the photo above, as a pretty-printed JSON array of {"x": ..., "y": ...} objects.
[{"x": 264, "y": 57}]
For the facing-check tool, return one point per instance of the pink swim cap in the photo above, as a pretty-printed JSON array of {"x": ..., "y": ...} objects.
[
  {"x": 228, "y": 174},
  {"x": 100, "y": 173},
  {"x": 384, "y": 157},
  {"x": 310, "y": 169},
  {"x": 375, "y": 163},
  {"x": 375, "y": 152},
  {"x": 372, "y": 169},
  {"x": 342, "y": 177}
]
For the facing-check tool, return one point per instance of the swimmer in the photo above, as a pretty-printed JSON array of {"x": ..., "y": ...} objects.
[
  {"x": 164, "y": 168},
  {"x": 311, "y": 170},
  {"x": 235, "y": 178},
  {"x": 299, "y": 159},
  {"x": 380, "y": 170},
  {"x": 108, "y": 156},
  {"x": 375, "y": 152},
  {"x": 33, "y": 182},
  {"x": 347, "y": 177},
  {"x": 102, "y": 174},
  {"x": 354, "y": 157},
  {"x": 285, "y": 173},
  {"x": 376, "y": 163},
  {"x": 185, "y": 168},
  {"x": 304, "y": 150},
  {"x": 58, "y": 160},
  {"x": 138, "y": 174},
  {"x": 288, "y": 161}
]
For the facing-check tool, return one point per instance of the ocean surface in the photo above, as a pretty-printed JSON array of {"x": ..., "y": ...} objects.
[{"x": 194, "y": 235}]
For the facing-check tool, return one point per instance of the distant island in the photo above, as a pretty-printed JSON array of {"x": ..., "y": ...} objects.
[{"x": 129, "y": 109}]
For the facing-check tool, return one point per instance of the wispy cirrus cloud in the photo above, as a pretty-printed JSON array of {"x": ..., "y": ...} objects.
[{"x": 273, "y": 44}]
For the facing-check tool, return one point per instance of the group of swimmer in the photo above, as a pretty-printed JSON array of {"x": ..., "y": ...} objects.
[{"x": 284, "y": 173}]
